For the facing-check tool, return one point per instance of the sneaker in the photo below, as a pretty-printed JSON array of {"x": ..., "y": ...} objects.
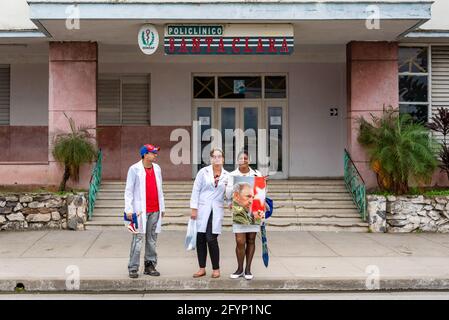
[
  {"x": 236, "y": 275},
  {"x": 133, "y": 274},
  {"x": 151, "y": 270},
  {"x": 248, "y": 276}
]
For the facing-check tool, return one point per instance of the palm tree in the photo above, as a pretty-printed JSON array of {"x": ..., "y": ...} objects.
[
  {"x": 399, "y": 149},
  {"x": 74, "y": 149}
]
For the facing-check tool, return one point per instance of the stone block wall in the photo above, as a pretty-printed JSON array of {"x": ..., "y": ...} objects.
[
  {"x": 408, "y": 214},
  {"x": 43, "y": 211}
]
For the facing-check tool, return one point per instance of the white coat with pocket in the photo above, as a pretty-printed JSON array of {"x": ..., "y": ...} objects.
[
  {"x": 135, "y": 194},
  {"x": 206, "y": 198}
]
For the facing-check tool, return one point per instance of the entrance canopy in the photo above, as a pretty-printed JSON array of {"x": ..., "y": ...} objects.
[{"x": 313, "y": 22}]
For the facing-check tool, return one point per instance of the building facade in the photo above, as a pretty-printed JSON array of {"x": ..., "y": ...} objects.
[{"x": 173, "y": 73}]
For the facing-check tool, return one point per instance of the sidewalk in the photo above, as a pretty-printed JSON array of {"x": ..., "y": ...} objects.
[{"x": 298, "y": 261}]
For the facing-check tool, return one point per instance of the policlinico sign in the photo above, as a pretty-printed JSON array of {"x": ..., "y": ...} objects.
[{"x": 232, "y": 39}]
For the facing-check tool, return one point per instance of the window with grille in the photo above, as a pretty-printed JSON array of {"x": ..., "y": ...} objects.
[
  {"x": 4, "y": 94},
  {"x": 124, "y": 100}
]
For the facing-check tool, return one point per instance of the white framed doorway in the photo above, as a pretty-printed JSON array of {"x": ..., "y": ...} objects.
[{"x": 253, "y": 121}]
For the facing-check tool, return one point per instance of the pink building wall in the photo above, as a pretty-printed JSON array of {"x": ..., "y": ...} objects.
[
  {"x": 73, "y": 91},
  {"x": 120, "y": 146},
  {"x": 372, "y": 84}
]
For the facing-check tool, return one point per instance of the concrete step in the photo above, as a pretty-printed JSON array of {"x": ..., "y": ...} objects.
[
  {"x": 227, "y": 226},
  {"x": 278, "y": 212},
  {"x": 344, "y": 204},
  {"x": 302, "y": 227},
  {"x": 306, "y": 205},
  {"x": 281, "y": 214},
  {"x": 227, "y": 221},
  {"x": 275, "y": 196},
  {"x": 338, "y": 181}
]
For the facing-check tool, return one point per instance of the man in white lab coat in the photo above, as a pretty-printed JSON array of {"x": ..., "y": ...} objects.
[{"x": 144, "y": 196}]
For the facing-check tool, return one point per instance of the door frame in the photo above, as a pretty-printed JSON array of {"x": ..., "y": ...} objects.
[
  {"x": 263, "y": 109},
  {"x": 240, "y": 106}
]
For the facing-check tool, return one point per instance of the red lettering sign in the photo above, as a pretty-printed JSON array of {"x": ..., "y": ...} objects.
[
  {"x": 221, "y": 48},
  {"x": 272, "y": 47},
  {"x": 196, "y": 42},
  {"x": 284, "y": 46},
  {"x": 247, "y": 48},
  {"x": 260, "y": 46},
  {"x": 183, "y": 47},
  {"x": 172, "y": 45},
  {"x": 234, "y": 48},
  {"x": 209, "y": 42}
]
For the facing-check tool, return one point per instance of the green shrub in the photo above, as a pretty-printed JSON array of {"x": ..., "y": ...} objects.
[
  {"x": 399, "y": 149},
  {"x": 74, "y": 149}
]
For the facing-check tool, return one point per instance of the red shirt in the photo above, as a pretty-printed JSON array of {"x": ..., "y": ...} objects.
[{"x": 152, "y": 197}]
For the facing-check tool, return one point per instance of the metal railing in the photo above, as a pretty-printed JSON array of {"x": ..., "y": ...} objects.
[
  {"x": 355, "y": 185},
  {"x": 94, "y": 184}
]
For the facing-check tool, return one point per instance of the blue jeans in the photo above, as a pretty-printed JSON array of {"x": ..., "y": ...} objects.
[{"x": 150, "y": 244}]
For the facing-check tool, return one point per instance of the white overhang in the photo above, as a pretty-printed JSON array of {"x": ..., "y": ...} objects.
[{"x": 314, "y": 22}]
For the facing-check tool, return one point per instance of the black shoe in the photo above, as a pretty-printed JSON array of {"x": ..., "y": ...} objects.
[
  {"x": 150, "y": 269},
  {"x": 133, "y": 274}
]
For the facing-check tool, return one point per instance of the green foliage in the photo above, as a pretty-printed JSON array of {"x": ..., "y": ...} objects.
[
  {"x": 73, "y": 149},
  {"x": 440, "y": 124},
  {"x": 400, "y": 150}
]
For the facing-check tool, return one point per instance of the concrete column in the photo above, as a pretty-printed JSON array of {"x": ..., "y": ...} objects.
[
  {"x": 372, "y": 75},
  {"x": 73, "y": 91}
]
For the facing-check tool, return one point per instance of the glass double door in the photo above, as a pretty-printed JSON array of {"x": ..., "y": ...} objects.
[
  {"x": 255, "y": 126},
  {"x": 239, "y": 123}
]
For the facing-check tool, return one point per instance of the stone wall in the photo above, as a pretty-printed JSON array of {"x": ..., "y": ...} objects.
[
  {"x": 408, "y": 213},
  {"x": 43, "y": 211}
]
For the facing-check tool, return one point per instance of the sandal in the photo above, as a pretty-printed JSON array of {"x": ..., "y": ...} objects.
[
  {"x": 199, "y": 274},
  {"x": 215, "y": 274}
]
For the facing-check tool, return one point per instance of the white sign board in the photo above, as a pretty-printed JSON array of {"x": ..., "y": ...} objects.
[
  {"x": 148, "y": 39},
  {"x": 276, "y": 121}
]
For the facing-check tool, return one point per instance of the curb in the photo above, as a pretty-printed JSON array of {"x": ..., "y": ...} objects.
[{"x": 192, "y": 285}]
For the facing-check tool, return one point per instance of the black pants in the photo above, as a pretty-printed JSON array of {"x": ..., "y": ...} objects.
[{"x": 208, "y": 239}]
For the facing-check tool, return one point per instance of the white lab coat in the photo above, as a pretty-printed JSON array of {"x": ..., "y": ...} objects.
[
  {"x": 135, "y": 194},
  {"x": 206, "y": 198}
]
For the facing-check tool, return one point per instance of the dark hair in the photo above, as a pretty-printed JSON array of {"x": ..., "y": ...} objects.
[
  {"x": 243, "y": 152},
  {"x": 216, "y": 149}
]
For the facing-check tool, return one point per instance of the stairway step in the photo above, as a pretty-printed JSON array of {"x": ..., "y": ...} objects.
[
  {"x": 100, "y": 203},
  {"x": 275, "y": 196},
  {"x": 286, "y": 214},
  {"x": 308, "y": 205},
  {"x": 118, "y": 211},
  {"x": 337, "y": 181}
]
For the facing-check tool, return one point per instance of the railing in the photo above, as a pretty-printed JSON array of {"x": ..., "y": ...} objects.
[
  {"x": 355, "y": 185},
  {"x": 94, "y": 184}
]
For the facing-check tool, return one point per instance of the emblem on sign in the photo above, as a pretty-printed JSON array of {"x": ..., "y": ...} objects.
[{"x": 148, "y": 39}]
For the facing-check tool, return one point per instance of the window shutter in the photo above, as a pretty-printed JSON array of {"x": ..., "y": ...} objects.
[
  {"x": 440, "y": 80},
  {"x": 4, "y": 95},
  {"x": 108, "y": 102},
  {"x": 135, "y": 106}
]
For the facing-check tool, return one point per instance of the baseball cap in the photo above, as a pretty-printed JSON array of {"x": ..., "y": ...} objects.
[{"x": 148, "y": 148}]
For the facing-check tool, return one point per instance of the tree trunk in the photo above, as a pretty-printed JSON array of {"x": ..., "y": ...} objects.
[{"x": 64, "y": 178}]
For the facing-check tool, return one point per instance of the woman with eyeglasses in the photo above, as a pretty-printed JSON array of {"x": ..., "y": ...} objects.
[{"x": 207, "y": 204}]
